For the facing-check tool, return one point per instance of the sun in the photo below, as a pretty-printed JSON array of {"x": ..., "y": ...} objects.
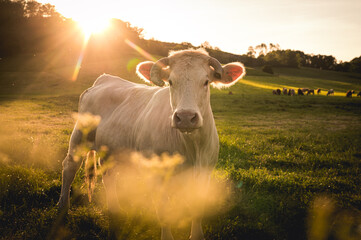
[{"x": 93, "y": 25}]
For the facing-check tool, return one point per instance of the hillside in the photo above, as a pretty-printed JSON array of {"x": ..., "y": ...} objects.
[
  {"x": 46, "y": 73},
  {"x": 306, "y": 78}
]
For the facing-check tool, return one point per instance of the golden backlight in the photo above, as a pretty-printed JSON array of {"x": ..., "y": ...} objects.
[{"x": 93, "y": 24}]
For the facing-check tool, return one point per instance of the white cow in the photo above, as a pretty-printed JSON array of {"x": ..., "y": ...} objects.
[
  {"x": 175, "y": 119},
  {"x": 330, "y": 92}
]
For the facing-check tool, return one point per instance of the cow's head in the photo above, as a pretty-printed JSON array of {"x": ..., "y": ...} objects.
[{"x": 189, "y": 74}]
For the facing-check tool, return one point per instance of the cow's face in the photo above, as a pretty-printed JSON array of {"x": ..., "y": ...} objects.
[
  {"x": 189, "y": 75},
  {"x": 189, "y": 93}
]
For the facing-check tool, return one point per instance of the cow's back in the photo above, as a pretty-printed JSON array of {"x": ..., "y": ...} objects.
[{"x": 108, "y": 92}]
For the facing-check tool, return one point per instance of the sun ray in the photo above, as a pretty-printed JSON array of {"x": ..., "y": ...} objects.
[
  {"x": 89, "y": 26},
  {"x": 80, "y": 59}
]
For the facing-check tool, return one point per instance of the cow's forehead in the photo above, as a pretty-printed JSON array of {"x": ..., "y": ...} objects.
[
  {"x": 188, "y": 58},
  {"x": 189, "y": 65},
  {"x": 193, "y": 71}
]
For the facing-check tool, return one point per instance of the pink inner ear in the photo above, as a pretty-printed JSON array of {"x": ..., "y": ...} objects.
[
  {"x": 234, "y": 72},
  {"x": 145, "y": 70}
]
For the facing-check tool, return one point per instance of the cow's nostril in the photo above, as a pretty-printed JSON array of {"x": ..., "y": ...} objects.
[
  {"x": 194, "y": 119},
  {"x": 177, "y": 118}
]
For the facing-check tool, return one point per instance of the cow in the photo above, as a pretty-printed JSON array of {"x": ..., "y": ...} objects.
[
  {"x": 311, "y": 91},
  {"x": 318, "y": 90},
  {"x": 300, "y": 92},
  {"x": 349, "y": 93},
  {"x": 175, "y": 116},
  {"x": 284, "y": 91},
  {"x": 291, "y": 92},
  {"x": 359, "y": 94},
  {"x": 330, "y": 92},
  {"x": 304, "y": 90},
  {"x": 276, "y": 92}
]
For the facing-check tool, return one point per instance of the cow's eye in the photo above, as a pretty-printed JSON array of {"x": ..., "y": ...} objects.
[
  {"x": 170, "y": 82},
  {"x": 206, "y": 83}
]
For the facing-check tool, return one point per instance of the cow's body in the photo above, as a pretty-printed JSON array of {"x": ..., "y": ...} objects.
[
  {"x": 311, "y": 91},
  {"x": 291, "y": 92},
  {"x": 330, "y": 92},
  {"x": 154, "y": 120}
]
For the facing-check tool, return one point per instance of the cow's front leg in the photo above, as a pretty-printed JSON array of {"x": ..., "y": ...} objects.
[
  {"x": 196, "y": 230},
  {"x": 202, "y": 181},
  {"x": 163, "y": 213},
  {"x": 117, "y": 217},
  {"x": 166, "y": 233},
  {"x": 70, "y": 167}
]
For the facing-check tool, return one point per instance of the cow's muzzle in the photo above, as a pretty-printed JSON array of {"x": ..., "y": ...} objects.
[{"x": 186, "y": 120}]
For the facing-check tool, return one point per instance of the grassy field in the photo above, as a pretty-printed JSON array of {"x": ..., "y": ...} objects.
[{"x": 294, "y": 163}]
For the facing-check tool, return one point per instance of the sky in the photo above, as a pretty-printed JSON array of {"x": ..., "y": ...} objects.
[{"x": 327, "y": 27}]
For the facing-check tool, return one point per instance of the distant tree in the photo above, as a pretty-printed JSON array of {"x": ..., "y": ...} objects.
[
  {"x": 32, "y": 9},
  {"x": 179, "y": 47},
  {"x": 274, "y": 47},
  {"x": 187, "y": 44},
  {"x": 11, "y": 10},
  {"x": 322, "y": 62},
  {"x": 206, "y": 45},
  {"x": 293, "y": 59},
  {"x": 261, "y": 49},
  {"x": 274, "y": 58},
  {"x": 343, "y": 67},
  {"x": 11, "y": 22},
  {"x": 136, "y": 30},
  {"x": 283, "y": 58},
  {"x": 251, "y": 52},
  {"x": 346, "y": 67},
  {"x": 36, "y": 9},
  {"x": 356, "y": 65}
]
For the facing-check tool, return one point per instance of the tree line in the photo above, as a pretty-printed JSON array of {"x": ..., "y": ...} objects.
[
  {"x": 272, "y": 55},
  {"x": 29, "y": 27}
]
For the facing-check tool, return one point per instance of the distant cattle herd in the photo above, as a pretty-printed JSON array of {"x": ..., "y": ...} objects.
[{"x": 307, "y": 91}]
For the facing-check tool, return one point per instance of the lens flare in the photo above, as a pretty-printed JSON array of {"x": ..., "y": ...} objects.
[
  {"x": 140, "y": 50},
  {"x": 80, "y": 59}
]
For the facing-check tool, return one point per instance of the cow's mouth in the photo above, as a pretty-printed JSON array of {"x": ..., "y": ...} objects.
[{"x": 187, "y": 130}]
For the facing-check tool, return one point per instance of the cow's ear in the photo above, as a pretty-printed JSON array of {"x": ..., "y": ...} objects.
[
  {"x": 143, "y": 71},
  {"x": 232, "y": 72}
]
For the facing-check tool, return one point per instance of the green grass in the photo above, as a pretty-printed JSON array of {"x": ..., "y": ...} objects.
[{"x": 280, "y": 153}]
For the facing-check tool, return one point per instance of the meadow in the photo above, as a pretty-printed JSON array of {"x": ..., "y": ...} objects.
[{"x": 293, "y": 162}]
